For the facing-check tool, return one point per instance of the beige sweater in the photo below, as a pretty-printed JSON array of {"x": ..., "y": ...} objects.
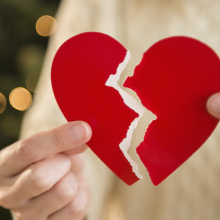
[{"x": 190, "y": 193}]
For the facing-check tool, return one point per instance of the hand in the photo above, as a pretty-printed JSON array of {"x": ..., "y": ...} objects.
[
  {"x": 41, "y": 177},
  {"x": 213, "y": 105}
]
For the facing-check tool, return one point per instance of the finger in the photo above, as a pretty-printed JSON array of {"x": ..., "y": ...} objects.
[
  {"x": 22, "y": 154},
  {"x": 77, "y": 150},
  {"x": 37, "y": 179},
  {"x": 213, "y": 105},
  {"x": 55, "y": 199},
  {"x": 75, "y": 210},
  {"x": 77, "y": 164}
]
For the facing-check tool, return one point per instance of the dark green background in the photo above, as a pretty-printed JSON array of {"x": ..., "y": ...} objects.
[{"x": 21, "y": 53}]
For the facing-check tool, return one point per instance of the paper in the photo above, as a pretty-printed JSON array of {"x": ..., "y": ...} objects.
[
  {"x": 133, "y": 104},
  {"x": 80, "y": 70},
  {"x": 174, "y": 80}
]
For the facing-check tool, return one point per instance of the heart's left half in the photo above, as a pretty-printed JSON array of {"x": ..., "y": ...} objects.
[{"x": 80, "y": 69}]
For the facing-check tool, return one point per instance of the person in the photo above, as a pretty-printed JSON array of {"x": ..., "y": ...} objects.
[{"x": 42, "y": 177}]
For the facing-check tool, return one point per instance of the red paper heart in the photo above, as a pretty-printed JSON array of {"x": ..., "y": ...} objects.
[{"x": 174, "y": 81}]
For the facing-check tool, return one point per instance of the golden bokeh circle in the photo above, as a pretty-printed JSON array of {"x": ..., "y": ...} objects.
[
  {"x": 3, "y": 103},
  {"x": 46, "y": 25},
  {"x": 20, "y": 99}
]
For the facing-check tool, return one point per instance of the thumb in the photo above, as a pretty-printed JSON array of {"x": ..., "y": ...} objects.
[
  {"x": 86, "y": 129},
  {"x": 213, "y": 105}
]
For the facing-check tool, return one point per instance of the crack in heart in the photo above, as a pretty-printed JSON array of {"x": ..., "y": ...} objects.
[{"x": 131, "y": 103}]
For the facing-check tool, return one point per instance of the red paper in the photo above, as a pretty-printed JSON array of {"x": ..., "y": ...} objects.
[
  {"x": 174, "y": 80},
  {"x": 80, "y": 70}
]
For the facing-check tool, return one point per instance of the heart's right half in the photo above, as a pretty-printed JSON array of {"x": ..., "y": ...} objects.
[{"x": 174, "y": 80}]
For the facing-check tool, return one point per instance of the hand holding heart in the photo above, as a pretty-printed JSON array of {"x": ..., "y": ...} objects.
[
  {"x": 41, "y": 177},
  {"x": 25, "y": 195},
  {"x": 25, "y": 187}
]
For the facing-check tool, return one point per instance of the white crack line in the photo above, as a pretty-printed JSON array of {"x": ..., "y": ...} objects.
[{"x": 131, "y": 103}]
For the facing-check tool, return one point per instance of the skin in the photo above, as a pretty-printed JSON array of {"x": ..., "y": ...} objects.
[
  {"x": 41, "y": 177},
  {"x": 213, "y": 105}
]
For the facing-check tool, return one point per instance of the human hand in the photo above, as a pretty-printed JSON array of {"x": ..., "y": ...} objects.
[
  {"x": 41, "y": 177},
  {"x": 213, "y": 105}
]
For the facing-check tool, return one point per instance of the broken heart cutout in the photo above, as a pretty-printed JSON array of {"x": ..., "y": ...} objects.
[{"x": 174, "y": 80}]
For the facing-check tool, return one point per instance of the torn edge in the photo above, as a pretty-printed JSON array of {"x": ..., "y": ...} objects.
[{"x": 131, "y": 103}]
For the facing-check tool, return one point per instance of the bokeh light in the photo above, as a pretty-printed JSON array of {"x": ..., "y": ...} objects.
[
  {"x": 20, "y": 98},
  {"x": 46, "y": 25},
  {"x": 2, "y": 103}
]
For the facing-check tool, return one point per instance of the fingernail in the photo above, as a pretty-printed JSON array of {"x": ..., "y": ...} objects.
[
  {"x": 79, "y": 131},
  {"x": 214, "y": 104}
]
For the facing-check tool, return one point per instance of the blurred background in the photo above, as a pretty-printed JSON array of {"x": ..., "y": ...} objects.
[{"x": 22, "y": 51}]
